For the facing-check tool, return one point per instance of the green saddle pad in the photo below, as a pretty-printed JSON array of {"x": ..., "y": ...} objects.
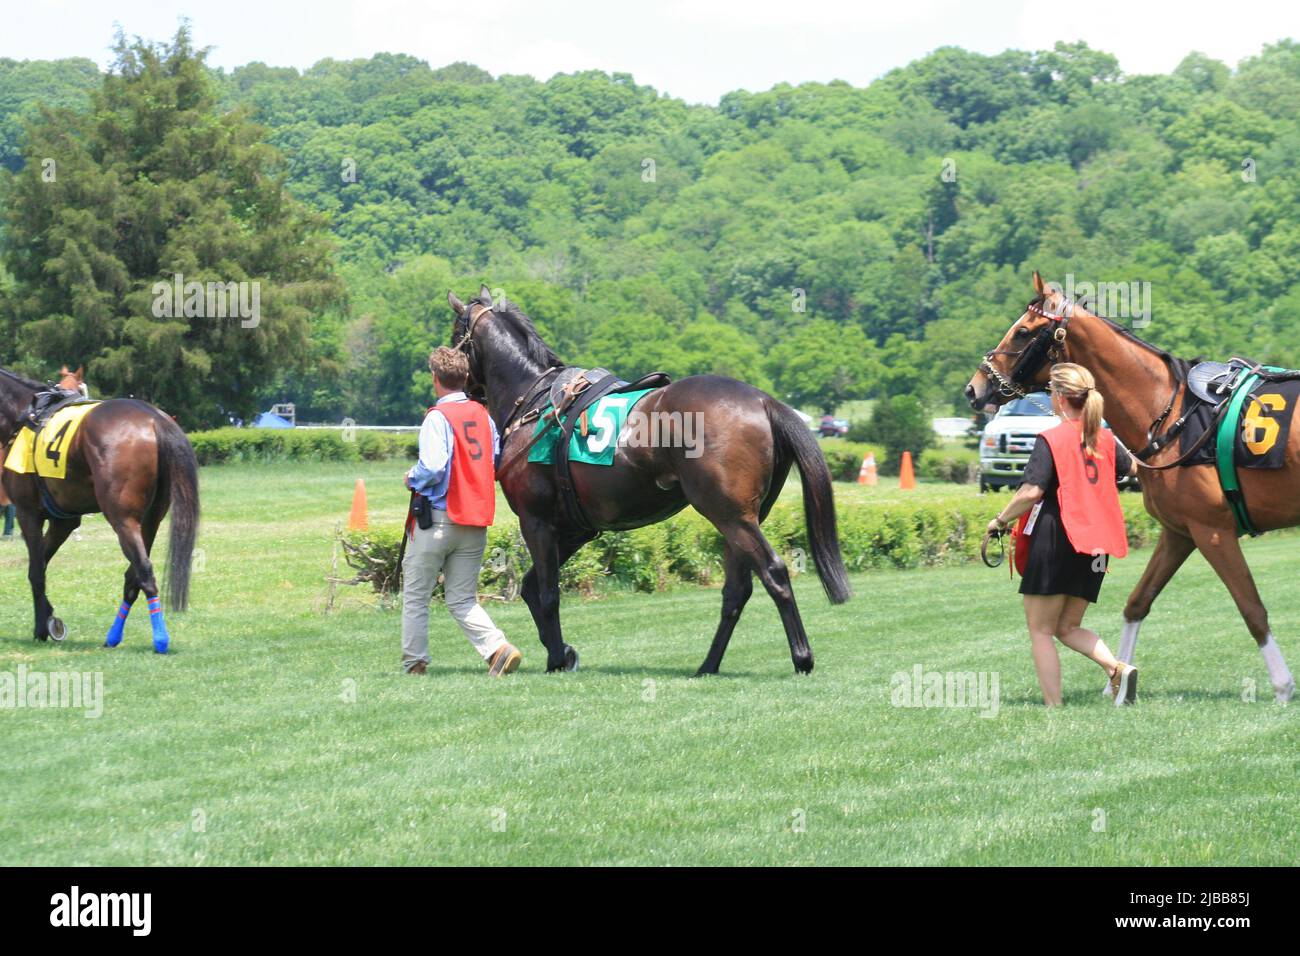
[{"x": 605, "y": 420}]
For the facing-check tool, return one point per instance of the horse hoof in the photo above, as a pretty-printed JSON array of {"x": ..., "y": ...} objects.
[
  {"x": 1283, "y": 695},
  {"x": 804, "y": 665},
  {"x": 56, "y": 629},
  {"x": 570, "y": 658}
]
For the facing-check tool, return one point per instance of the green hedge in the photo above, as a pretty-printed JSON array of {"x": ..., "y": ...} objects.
[
  {"x": 687, "y": 550},
  {"x": 224, "y": 445},
  {"x": 844, "y": 458},
  {"x": 959, "y": 465}
]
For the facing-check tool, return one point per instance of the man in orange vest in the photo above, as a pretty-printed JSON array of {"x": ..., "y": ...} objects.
[{"x": 453, "y": 504}]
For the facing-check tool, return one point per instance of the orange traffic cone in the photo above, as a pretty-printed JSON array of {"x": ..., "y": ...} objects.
[
  {"x": 867, "y": 473},
  {"x": 357, "y": 519},
  {"x": 906, "y": 478}
]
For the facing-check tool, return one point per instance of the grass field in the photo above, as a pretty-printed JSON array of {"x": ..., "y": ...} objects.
[{"x": 275, "y": 733}]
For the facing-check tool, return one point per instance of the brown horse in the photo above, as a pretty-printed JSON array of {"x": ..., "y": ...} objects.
[
  {"x": 747, "y": 443},
  {"x": 1140, "y": 383},
  {"x": 128, "y": 460}
]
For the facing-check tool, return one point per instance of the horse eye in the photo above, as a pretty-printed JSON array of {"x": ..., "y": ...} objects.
[{"x": 1021, "y": 332}]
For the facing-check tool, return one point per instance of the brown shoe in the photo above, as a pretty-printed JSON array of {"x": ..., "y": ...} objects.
[
  {"x": 504, "y": 661},
  {"x": 419, "y": 667},
  {"x": 1124, "y": 684}
]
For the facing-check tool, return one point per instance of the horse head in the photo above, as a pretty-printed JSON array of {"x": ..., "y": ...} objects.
[
  {"x": 73, "y": 381},
  {"x": 1022, "y": 361}
]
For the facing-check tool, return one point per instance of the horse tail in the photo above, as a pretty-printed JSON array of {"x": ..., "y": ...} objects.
[
  {"x": 179, "y": 468},
  {"x": 795, "y": 439}
]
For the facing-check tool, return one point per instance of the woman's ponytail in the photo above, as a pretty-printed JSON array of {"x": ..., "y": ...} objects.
[
  {"x": 1093, "y": 407},
  {"x": 1075, "y": 384}
]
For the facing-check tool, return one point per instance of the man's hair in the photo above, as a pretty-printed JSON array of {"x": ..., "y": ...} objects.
[{"x": 449, "y": 366}]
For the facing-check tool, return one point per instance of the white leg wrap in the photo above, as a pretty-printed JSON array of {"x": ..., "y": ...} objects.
[
  {"x": 1128, "y": 641},
  {"x": 1278, "y": 673}
]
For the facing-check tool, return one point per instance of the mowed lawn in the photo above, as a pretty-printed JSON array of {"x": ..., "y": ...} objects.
[{"x": 277, "y": 733}]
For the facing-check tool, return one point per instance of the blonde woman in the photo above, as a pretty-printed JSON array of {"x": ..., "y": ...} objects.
[{"x": 1075, "y": 526}]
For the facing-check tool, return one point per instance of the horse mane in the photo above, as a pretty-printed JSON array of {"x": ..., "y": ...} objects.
[
  {"x": 1179, "y": 366},
  {"x": 23, "y": 380},
  {"x": 535, "y": 346}
]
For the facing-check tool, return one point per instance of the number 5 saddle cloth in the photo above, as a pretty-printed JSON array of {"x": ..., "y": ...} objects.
[{"x": 42, "y": 449}]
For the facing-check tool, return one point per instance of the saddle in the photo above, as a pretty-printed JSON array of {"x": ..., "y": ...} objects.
[
  {"x": 572, "y": 393},
  {"x": 1217, "y": 396},
  {"x": 48, "y": 401}
]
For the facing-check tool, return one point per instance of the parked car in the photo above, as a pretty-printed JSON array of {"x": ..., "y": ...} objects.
[
  {"x": 1009, "y": 438},
  {"x": 832, "y": 427}
]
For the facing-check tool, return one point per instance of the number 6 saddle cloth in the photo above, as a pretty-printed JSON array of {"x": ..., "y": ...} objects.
[
  {"x": 1249, "y": 407},
  {"x": 43, "y": 450}
]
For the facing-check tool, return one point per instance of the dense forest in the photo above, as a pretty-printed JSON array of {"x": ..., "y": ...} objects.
[{"x": 824, "y": 241}]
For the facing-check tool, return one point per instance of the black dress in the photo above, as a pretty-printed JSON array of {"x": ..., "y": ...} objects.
[{"x": 1054, "y": 567}]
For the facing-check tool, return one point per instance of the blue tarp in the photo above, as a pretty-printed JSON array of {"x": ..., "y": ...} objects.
[{"x": 267, "y": 420}]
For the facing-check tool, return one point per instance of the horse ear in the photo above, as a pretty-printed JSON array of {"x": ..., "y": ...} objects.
[
  {"x": 485, "y": 295},
  {"x": 65, "y": 371},
  {"x": 457, "y": 306},
  {"x": 80, "y": 373},
  {"x": 1038, "y": 284}
]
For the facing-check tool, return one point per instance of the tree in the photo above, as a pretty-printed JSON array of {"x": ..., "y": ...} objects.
[
  {"x": 900, "y": 424},
  {"x": 151, "y": 187},
  {"x": 823, "y": 364}
]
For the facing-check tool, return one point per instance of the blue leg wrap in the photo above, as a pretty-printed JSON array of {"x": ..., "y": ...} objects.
[
  {"x": 160, "y": 636},
  {"x": 115, "y": 632}
]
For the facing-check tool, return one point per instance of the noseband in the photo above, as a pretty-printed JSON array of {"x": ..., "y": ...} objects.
[{"x": 1047, "y": 346}]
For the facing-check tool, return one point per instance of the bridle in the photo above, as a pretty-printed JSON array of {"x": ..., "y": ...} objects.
[
  {"x": 524, "y": 402},
  {"x": 466, "y": 342},
  {"x": 1047, "y": 346}
]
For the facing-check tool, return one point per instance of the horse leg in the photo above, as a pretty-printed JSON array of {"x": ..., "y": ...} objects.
[
  {"x": 541, "y": 590},
  {"x": 31, "y": 524},
  {"x": 767, "y": 564},
  {"x": 1170, "y": 552},
  {"x": 1222, "y": 549},
  {"x": 58, "y": 532},
  {"x": 130, "y": 535},
  {"x": 131, "y": 584},
  {"x": 735, "y": 593}
]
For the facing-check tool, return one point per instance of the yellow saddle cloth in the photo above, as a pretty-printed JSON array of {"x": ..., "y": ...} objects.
[{"x": 45, "y": 453}]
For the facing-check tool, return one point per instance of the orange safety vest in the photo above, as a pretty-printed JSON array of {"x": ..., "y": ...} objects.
[
  {"x": 471, "y": 492},
  {"x": 1089, "y": 497}
]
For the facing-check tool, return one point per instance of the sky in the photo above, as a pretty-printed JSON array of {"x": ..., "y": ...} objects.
[{"x": 693, "y": 49}]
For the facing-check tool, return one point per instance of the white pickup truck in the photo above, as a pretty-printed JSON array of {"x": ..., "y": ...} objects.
[{"x": 1009, "y": 438}]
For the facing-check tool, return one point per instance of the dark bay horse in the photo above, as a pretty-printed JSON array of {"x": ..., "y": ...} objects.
[
  {"x": 133, "y": 463},
  {"x": 1139, "y": 383},
  {"x": 747, "y": 445}
]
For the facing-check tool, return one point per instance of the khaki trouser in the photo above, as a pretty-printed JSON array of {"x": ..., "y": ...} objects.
[{"x": 457, "y": 552}]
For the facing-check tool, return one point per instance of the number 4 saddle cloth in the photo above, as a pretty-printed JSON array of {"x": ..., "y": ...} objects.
[{"x": 43, "y": 450}]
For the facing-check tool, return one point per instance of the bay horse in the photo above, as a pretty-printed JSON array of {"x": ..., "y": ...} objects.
[
  {"x": 130, "y": 461},
  {"x": 748, "y": 443},
  {"x": 1141, "y": 384}
]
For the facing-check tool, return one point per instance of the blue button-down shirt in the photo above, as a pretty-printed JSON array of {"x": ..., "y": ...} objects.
[{"x": 431, "y": 474}]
